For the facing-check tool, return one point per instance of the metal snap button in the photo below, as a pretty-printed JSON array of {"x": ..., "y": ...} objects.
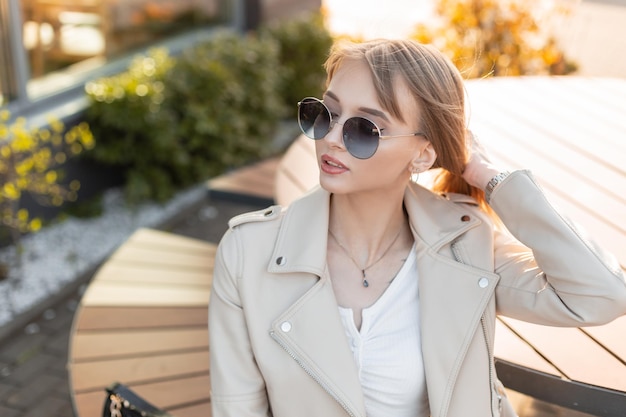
[
  {"x": 281, "y": 261},
  {"x": 285, "y": 326},
  {"x": 465, "y": 218},
  {"x": 483, "y": 282}
]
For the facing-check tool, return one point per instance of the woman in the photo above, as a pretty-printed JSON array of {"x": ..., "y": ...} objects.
[{"x": 373, "y": 296}]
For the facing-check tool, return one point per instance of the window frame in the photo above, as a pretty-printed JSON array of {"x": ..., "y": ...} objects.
[{"x": 15, "y": 72}]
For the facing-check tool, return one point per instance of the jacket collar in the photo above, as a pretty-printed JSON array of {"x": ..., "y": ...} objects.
[{"x": 435, "y": 219}]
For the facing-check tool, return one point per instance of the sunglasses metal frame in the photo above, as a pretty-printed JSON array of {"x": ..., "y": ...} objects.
[{"x": 333, "y": 122}]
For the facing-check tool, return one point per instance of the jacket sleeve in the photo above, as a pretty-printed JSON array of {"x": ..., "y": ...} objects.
[
  {"x": 557, "y": 275},
  {"x": 237, "y": 386}
]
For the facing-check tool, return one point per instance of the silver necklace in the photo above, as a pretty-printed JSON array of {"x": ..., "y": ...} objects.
[{"x": 363, "y": 269}]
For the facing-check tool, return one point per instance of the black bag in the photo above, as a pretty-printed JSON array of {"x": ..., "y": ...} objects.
[{"x": 121, "y": 401}]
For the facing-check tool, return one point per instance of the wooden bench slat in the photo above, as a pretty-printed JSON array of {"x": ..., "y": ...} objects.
[
  {"x": 612, "y": 336},
  {"x": 584, "y": 361},
  {"x": 543, "y": 151},
  {"x": 118, "y": 294},
  {"x": 94, "y": 375},
  {"x": 297, "y": 172},
  {"x": 203, "y": 410},
  {"x": 240, "y": 181},
  {"x": 168, "y": 241},
  {"x": 607, "y": 113},
  {"x": 603, "y": 204},
  {"x": 158, "y": 258},
  {"x": 94, "y": 318},
  {"x": 111, "y": 272},
  {"x": 530, "y": 109},
  {"x": 109, "y": 344},
  {"x": 175, "y": 392},
  {"x": 509, "y": 347}
]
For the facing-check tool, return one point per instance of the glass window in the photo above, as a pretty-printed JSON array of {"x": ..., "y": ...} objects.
[{"x": 58, "y": 34}]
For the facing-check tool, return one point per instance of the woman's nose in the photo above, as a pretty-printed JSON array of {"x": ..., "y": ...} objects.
[{"x": 334, "y": 137}]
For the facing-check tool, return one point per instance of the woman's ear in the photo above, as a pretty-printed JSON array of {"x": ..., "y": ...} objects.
[{"x": 425, "y": 159}]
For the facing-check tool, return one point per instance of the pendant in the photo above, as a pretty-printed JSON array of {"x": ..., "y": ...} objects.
[{"x": 365, "y": 283}]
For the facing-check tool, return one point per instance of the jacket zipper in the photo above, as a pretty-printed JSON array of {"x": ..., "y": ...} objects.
[
  {"x": 312, "y": 374},
  {"x": 457, "y": 257},
  {"x": 490, "y": 359}
]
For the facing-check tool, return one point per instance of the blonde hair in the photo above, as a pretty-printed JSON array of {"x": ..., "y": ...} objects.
[{"x": 436, "y": 85}]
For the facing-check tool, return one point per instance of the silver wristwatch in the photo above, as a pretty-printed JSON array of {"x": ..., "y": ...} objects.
[{"x": 493, "y": 183}]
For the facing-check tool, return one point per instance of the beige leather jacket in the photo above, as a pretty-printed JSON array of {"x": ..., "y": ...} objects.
[{"x": 277, "y": 344}]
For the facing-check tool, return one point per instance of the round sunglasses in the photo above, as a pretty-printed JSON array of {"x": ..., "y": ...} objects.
[{"x": 360, "y": 135}]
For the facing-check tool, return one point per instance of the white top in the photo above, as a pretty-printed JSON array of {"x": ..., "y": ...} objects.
[{"x": 388, "y": 350}]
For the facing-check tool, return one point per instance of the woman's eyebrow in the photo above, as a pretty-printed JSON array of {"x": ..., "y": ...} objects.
[
  {"x": 373, "y": 112},
  {"x": 332, "y": 95}
]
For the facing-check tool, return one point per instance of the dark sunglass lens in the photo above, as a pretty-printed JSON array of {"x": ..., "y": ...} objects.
[
  {"x": 313, "y": 118},
  {"x": 360, "y": 137}
]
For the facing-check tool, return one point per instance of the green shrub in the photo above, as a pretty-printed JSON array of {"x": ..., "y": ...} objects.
[
  {"x": 171, "y": 122},
  {"x": 135, "y": 130},
  {"x": 304, "y": 44},
  {"x": 227, "y": 102}
]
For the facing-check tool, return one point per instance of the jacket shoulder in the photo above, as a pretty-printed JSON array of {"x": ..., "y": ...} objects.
[{"x": 264, "y": 215}]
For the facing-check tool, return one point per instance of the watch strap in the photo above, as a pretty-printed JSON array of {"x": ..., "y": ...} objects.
[{"x": 491, "y": 185}]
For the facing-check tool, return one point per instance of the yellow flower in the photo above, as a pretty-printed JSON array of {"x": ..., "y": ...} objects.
[
  {"x": 34, "y": 225},
  {"x": 5, "y": 115},
  {"x": 11, "y": 192},
  {"x": 51, "y": 177},
  {"x": 56, "y": 125},
  {"x": 22, "y": 215},
  {"x": 24, "y": 167}
]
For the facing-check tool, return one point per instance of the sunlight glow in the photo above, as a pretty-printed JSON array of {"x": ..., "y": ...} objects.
[{"x": 375, "y": 18}]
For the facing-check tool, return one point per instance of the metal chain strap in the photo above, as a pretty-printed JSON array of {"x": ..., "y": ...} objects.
[{"x": 116, "y": 405}]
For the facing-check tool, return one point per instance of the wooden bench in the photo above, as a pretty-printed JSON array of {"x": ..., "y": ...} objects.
[
  {"x": 143, "y": 322},
  {"x": 571, "y": 132}
]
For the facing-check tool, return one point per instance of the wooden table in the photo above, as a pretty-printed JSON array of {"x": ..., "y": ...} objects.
[
  {"x": 143, "y": 321},
  {"x": 571, "y": 132}
]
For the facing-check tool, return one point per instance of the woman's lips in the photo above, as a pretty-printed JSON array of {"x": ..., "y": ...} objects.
[{"x": 331, "y": 165}]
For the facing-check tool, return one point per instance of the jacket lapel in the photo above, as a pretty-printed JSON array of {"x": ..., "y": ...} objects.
[
  {"x": 453, "y": 295},
  {"x": 312, "y": 333},
  {"x": 453, "y": 298},
  {"x": 310, "y": 330}
]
